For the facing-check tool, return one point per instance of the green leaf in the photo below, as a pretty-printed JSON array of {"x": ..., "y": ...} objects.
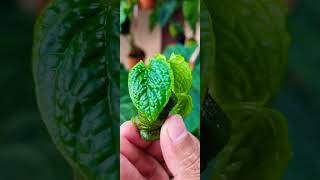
[
  {"x": 182, "y": 74},
  {"x": 183, "y": 106},
  {"x": 150, "y": 86},
  {"x": 190, "y": 9},
  {"x": 76, "y": 75},
  {"x": 185, "y": 51},
  {"x": 123, "y": 15},
  {"x": 163, "y": 12},
  {"x": 127, "y": 109},
  {"x": 196, "y": 79},
  {"x": 258, "y": 147},
  {"x": 208, "y": 50},
  {"x": 252, "y": 52},
  {"x": 192, "y": 120}
]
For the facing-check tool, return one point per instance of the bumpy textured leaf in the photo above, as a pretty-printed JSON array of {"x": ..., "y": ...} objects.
[
  {"x": 258, "y": 147},
  {"x": 182, "y": 74},
  {"x": 150, "y": 86},
  {"x": 252, "y": 49},
  {"x": 76, "y": 74},
  {"x": 183, "y": 106}
]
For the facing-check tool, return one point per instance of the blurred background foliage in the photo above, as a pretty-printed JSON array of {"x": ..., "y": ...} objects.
[
  {"x": 27, "y": 152},
  {"x": 299, "y": 99}
]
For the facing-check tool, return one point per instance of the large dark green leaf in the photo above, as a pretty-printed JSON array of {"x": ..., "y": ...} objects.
[
  {"x": 252, "y": 50},
  {"x": 258, "y": 147},
  {"x": 76, "y": 74}
]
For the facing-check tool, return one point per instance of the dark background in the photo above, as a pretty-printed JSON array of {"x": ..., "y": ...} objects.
[{"x": 26, "y": 151}]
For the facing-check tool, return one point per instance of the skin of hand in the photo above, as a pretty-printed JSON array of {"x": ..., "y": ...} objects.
[{"x": 175, "y": 156}]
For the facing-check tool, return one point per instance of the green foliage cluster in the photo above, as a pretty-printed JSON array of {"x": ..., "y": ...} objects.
[
  {"x": 158, "y": 90},
  {"x": 165, "y": 9}
]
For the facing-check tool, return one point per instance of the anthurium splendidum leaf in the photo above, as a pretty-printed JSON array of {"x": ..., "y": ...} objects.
[
  {"x": 150, "y": 86},
  {"x": 182, "y": 74},
  {"x": 76, "y": 75}
]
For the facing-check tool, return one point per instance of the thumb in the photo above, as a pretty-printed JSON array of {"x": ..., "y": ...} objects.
[{"x": 180, "y": 149}]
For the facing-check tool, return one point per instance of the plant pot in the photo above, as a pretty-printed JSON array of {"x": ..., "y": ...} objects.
[
  {"x": 132, "y": 61},
  {"x": 136, "y": 55},
  {"x": 147, "y": 4}
]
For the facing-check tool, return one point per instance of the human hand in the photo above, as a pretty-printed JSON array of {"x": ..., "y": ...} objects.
[{"x": 176, "y": 155}]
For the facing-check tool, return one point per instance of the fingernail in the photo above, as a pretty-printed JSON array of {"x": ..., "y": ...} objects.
[{"x": 176, "y": 128}]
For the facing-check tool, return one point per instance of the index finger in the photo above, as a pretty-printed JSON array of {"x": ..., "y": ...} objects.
[{"x": 131, "y": 133}]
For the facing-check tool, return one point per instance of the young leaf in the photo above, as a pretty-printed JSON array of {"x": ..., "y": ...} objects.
[
  {"x": 183, "y": 106},
  {"x": 76, "y": 75},
  {"x": 150, "y": 86},
  {"x": 192, "y": 120},
  {"x": 182, "y": 74},
  {"x": 258, "y": 147}
]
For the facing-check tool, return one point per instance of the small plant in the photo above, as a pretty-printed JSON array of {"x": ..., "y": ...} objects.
[{"x": 158, "y": 90}]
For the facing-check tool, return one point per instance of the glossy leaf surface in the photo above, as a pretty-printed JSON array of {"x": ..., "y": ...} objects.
[
  {"x": 183, "y": 106},
  {"x": 76, "y": 74}
]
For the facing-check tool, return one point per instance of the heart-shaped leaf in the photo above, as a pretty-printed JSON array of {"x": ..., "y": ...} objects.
[
  {"x": 150, "y": 86},
  {"x": 182, "y": 74},
  {"x": 76, "y": 74}
]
